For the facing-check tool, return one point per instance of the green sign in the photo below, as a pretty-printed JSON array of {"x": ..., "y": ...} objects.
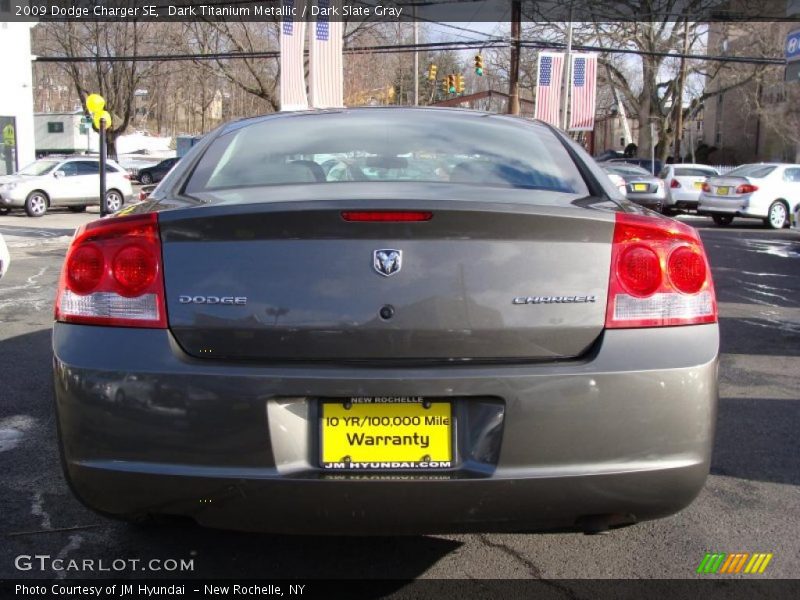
[{"x": 9, "y": 139}]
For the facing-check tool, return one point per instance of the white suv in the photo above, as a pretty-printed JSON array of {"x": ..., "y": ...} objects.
[{"x": 71, "y": 182}]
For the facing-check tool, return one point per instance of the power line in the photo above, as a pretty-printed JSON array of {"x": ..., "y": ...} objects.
[{"x": 401, "y": 48}]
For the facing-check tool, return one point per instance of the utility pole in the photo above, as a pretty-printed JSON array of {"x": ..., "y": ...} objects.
[
  {"x": 681, "y": 85},
  {"x": 103, "y": 158},
  {"x": 416, "y": 54},
  {"x": 513, "y": 78},
  {"x": 652, "y": 147},
  {"x": 567, "y": 74}
]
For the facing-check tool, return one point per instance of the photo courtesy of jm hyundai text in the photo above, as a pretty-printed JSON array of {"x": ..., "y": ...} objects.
[{"x": 387, "y": 321}]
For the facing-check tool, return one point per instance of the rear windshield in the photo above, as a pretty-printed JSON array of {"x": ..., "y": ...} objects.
[
  {"x": 386, "y": 146},
  {"x": 694, "y": 172},
  {"x": 756, "y": 171}
]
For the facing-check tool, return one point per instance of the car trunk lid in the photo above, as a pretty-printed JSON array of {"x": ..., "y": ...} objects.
[{"x": 295, "y": 281}]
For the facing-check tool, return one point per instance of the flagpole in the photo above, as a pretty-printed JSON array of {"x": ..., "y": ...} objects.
[{"x": 567, "y": 73}]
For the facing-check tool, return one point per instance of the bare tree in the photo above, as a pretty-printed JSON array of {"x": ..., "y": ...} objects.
[
  {"x": 647, "y": 80},
  {"x": 115, "y": 81}
]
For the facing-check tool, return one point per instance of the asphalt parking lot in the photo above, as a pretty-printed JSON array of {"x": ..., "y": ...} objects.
[{"x": 751, "y": 502}]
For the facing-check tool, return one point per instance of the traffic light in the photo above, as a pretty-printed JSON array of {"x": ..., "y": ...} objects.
[
  {"x": 451, "y": 84},
  {"x": 432, "y": 68},
  {"x": 446, "y": 85},
  {"x": 478, "y": 65},
  {"x": 460, "y": 86}
]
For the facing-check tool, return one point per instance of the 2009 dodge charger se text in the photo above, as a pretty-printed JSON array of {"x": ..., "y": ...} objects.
[{"x": 387, "y": 321}]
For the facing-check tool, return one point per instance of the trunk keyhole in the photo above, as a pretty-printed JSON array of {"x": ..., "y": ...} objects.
[{"x": 386, "y": 312}]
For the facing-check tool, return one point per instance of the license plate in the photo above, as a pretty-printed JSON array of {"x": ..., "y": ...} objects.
[
  {"x": 385, "y": 433},
  {"x": 722, "y": 191},
  {"x": 698, "y": 185},
  {"x": 639, "y": 187}
]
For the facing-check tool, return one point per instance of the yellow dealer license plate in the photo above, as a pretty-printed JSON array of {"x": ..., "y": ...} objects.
[
  {"x": 386, "y": 433},
  {"x": 639, "y": 187},
  {"x": 722, "y": 191},
  {"x": 698, "y": 185}
]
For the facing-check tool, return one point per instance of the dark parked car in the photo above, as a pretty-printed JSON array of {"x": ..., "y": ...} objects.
[
  {"x": 157, "y": 172},
  {"x": 644, "y": 163},
  {"x": 640, "y": 186},
  {"x": 608, "y": 155},
  {"x": 499, "y": 343}
]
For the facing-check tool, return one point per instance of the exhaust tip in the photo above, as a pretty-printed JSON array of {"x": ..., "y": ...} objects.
[{"x": 601, "y": 524}]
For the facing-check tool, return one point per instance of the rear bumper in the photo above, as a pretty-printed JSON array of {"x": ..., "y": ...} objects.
[
  {"x": 652, "y": 201},
  {"x": 739, "y": 207},
  {"x": 682, "y": 199},
  {"x": 621, "y": 436}
]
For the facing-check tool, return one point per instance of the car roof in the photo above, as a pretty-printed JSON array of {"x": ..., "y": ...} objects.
[
  {"x": 411, "y": 110},
  {"x": 71, "y": 157},
  {"x": 692, "y": 166},
  {"x": 607, "y": 165}
]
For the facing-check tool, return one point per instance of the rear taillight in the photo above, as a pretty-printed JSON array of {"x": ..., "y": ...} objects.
[
  {"x": 659, "y": 275},
  {"x": 674, "y": 184},
  {"x": 706, "y": 187},
  {"x": 386, "y": 216},
  {"x": 746, "y": 188},
  {"x": 112, "y": 275}
]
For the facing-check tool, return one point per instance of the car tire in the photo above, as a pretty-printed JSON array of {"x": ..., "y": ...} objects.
[
  {"x": 145, "y": 178},
  {"x": 36, "y": 203},
  {"x": 722, "y": 220},
  {"x": 777, "y": 215},
  {"x": 77, "y": 209},
  {"x": 114, "y": 201}
]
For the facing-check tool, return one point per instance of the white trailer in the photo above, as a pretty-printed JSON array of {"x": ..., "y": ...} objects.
[{"x": 64, "y": 133}]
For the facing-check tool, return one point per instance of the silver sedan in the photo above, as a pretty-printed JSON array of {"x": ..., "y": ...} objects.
[{"x": 640, "y": 186}]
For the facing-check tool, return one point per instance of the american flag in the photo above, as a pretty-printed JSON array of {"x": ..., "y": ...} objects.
[
  {"x": 325, "y": 60},
  {"x": 583, "y": 91},
  {"x": 548, "y": 87},
  {"x": 293, "y": 83}
]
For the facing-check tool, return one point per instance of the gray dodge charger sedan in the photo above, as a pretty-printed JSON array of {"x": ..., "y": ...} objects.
[{"x": 460, "y": 325}]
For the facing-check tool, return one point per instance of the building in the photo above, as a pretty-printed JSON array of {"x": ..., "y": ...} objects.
[
  {"x": 64, "y": 133},
  {"x": 609, "y": 132},
  {"x": 16, "y": 99},
  {"x": 758, "y": 121}
]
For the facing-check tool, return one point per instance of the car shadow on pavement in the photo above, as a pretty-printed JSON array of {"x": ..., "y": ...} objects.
[
  {"x": 220, "y": 554},
  {"x": 757, "y": 439}
]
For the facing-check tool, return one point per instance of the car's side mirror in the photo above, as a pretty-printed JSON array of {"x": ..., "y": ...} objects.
[{"x": 59, "y": 174}]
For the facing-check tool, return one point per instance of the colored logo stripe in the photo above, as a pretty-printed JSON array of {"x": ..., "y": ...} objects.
[
  {"x": 758, "y": 563},
  {"x": 721, "y": 562},
  {"x": 734, "y": 563},
  {"x": 711, "y": 562}
]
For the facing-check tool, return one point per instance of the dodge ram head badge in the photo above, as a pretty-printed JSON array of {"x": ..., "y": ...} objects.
[{"x": 387, "y": 262}]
